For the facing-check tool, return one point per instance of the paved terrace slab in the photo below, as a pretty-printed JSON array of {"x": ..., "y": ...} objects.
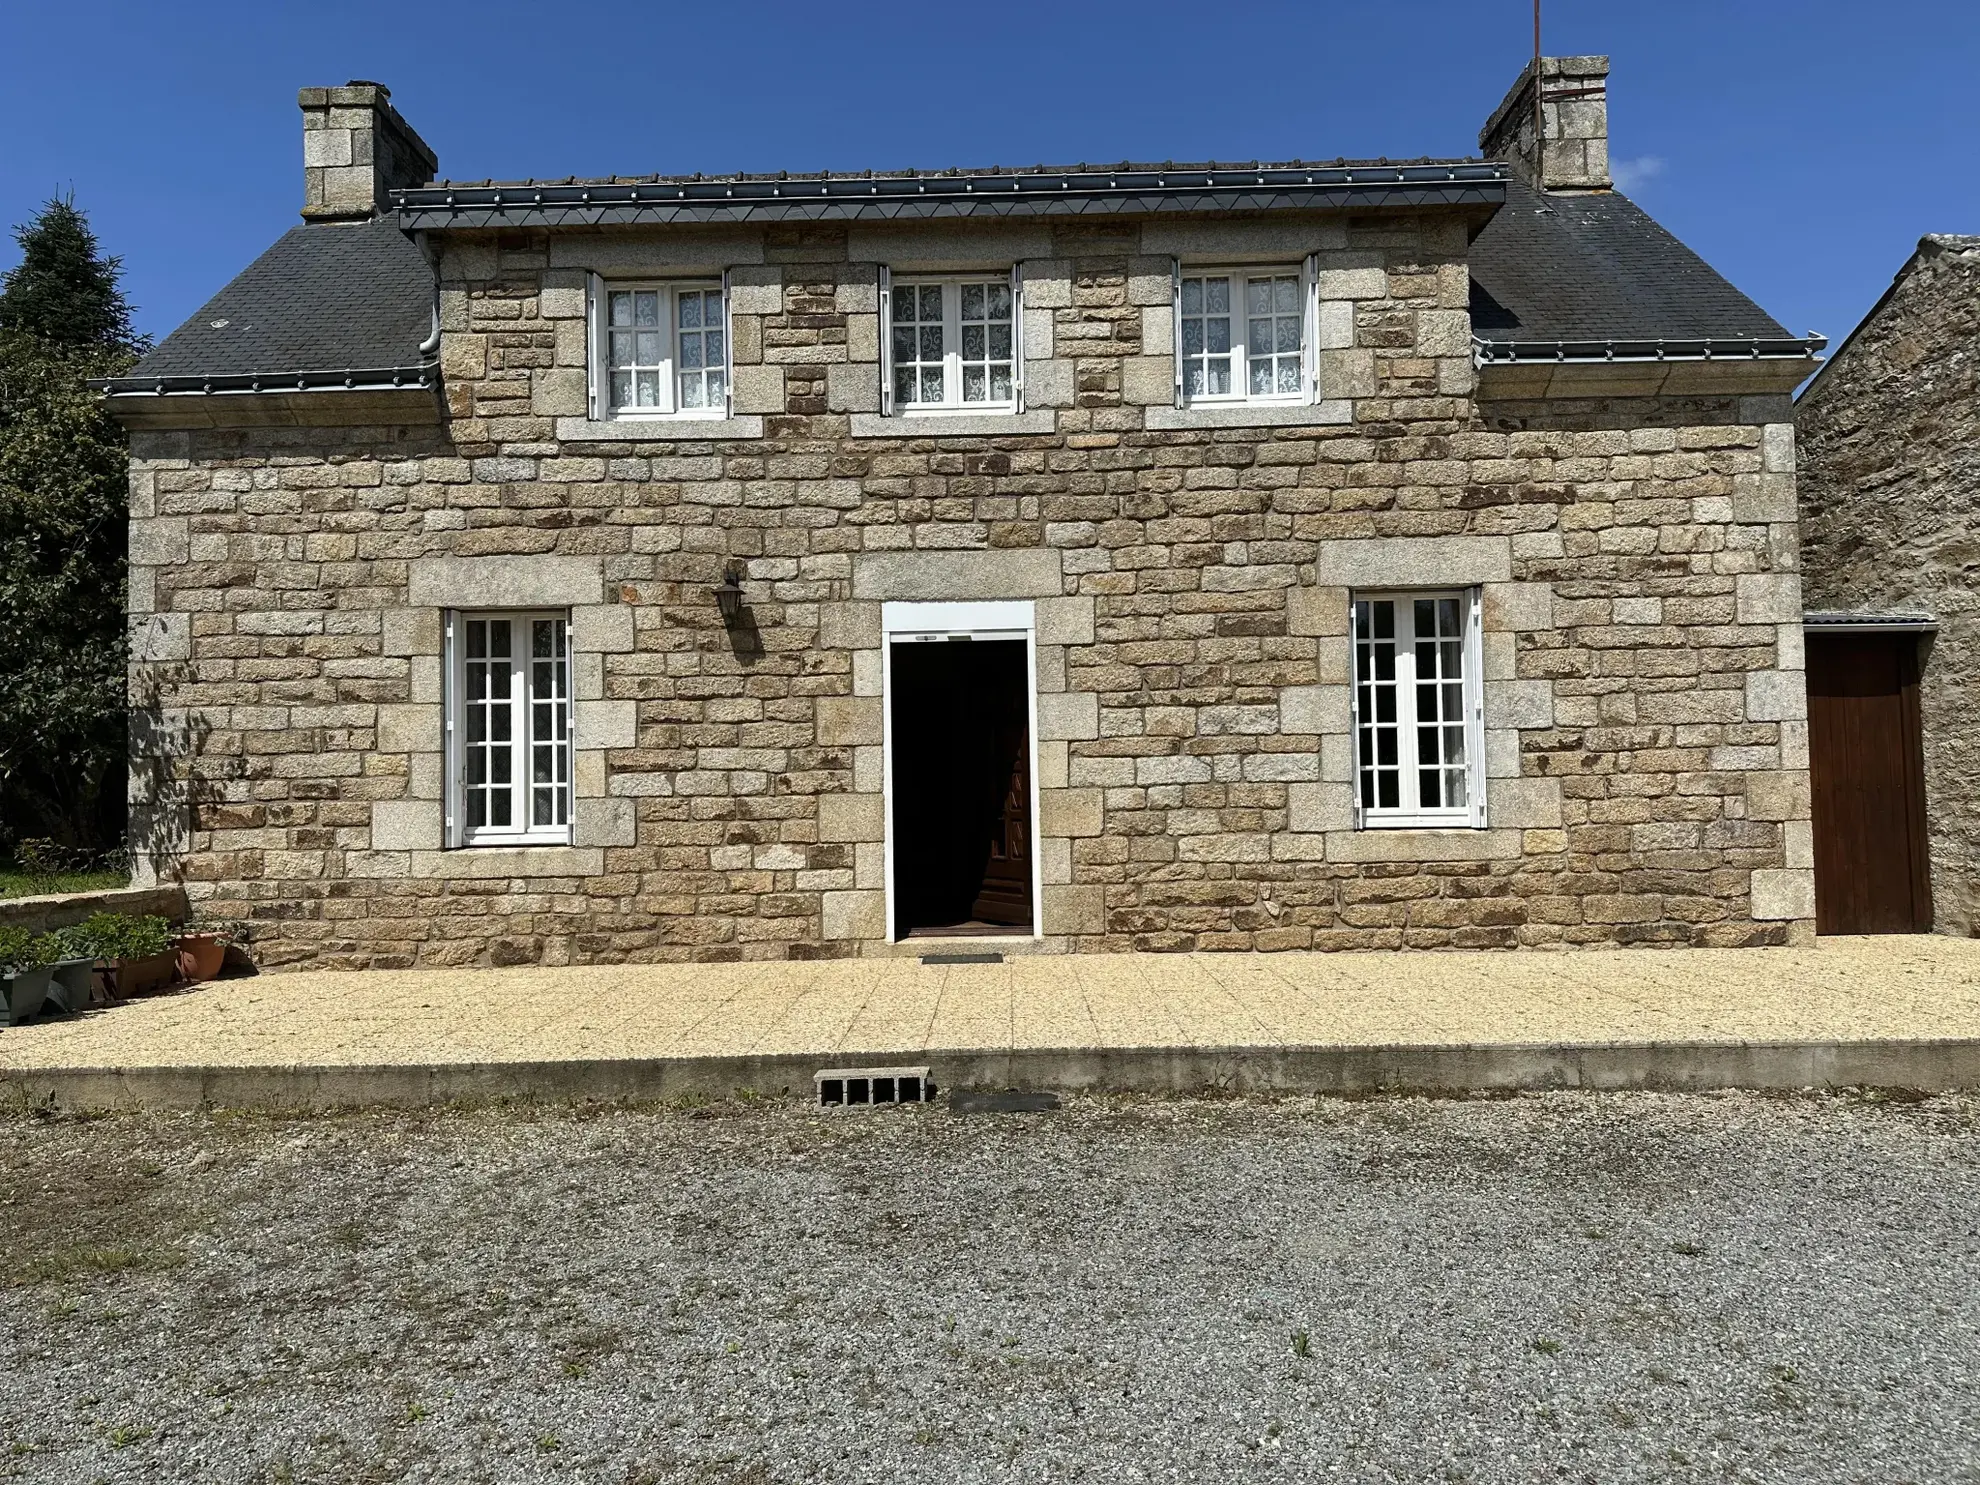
[{"x": 1896, "y": 1011}]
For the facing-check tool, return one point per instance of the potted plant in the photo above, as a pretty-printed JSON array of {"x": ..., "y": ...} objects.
[
  {"x": 134, "y": 954},
  {"x": 71, "y": 971},
  {"x": 23, "y": 976},
  {"x": 201, "y": 951}
]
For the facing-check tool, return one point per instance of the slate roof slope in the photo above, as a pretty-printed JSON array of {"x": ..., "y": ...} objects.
[
  {"x": 1598, "y": 268},
  {"x": 330, "y": 299},
  {"x": 323, "y": 298}
]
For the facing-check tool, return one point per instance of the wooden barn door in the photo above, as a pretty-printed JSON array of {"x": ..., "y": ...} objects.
[{"x": 1872, "y": 870}]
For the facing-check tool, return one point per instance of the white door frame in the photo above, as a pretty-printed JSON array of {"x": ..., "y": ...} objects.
[{"x": 936, "y": 623}]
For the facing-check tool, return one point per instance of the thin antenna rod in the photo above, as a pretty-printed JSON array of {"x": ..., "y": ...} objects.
[{"x": 1539, "y": 109}]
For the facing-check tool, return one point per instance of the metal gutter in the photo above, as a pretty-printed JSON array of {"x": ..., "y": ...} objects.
[
  {"x": 987, "y": 194},
  {"x": 423, "y": 377},
  {"x": 1628, "y": 352},
  {"x": 1831, "y": 621}
]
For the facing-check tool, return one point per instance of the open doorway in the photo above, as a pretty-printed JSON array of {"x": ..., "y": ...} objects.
[{"x": 959, "y": 718}]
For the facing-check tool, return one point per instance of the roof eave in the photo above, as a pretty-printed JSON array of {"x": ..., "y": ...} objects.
[
  {"x": 404, "y": 394},
  {"x": 1751, "y": 366}
]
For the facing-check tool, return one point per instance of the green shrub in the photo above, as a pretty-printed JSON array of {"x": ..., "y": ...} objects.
[
  {"x": 117, "y": 936},
  {"x": 16, "y": 948}
]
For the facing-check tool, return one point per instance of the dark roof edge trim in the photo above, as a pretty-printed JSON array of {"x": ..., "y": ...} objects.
[
  {"x": 369, "y": 379},
  {"x": 1901, "y": 623},
  {"x": 1453, "y": 183},
  {"x": 1716, "y": 348}
]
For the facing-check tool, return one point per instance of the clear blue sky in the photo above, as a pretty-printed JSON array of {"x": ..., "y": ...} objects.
[{"x": 1802, "y": 146}]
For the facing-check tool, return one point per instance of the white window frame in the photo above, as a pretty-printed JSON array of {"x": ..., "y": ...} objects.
[
  {"x": 1308, "y": 310},
  {"x": 951, "y": 285},
  {"x": 520, "y": 832},
  {"x": 670, "y": 290},
  {"x": 1408, "y": 813}
]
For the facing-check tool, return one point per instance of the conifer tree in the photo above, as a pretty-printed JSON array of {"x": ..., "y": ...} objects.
[{"x": 64, "y": 505}]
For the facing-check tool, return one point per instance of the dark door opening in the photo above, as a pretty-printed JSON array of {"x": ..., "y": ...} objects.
[
  {"x": 1867, "y": 774},
  {"x": 961, "y": 719}
]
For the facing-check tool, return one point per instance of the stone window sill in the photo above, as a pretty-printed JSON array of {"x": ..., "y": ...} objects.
[
  {"x": 1252, "y": 415},
  {"x": 954, "y": 425},
  {"x": 657, "y": 430},
  {"x": 483, "y": 862}
]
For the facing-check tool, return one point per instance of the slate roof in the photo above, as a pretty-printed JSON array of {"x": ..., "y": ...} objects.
[
  {"x": 1597, "y": 268},
  {"x": 324, "y": 298}
]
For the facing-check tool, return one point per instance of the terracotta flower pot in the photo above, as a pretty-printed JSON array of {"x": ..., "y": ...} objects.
[{"x": 200, "y": 955}]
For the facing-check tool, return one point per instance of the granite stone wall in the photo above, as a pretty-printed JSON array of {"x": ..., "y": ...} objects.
[
  {"x": 1890, "y": 504},
  {"x": 1189, "y": 570}
]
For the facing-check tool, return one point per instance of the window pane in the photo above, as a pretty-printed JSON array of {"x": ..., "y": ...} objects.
[
  {"x": 549, "y": 723},
  {"x": 972, "y": 301},
  {"x": 622, "y": 389},
  {"x": 646, "y": 308},
  {"x": 976, "y": 384},
  {"x": 690, "y": 311},
  {"x": 1217, "y": 296},
  {"x": 621, "y": 309},
  {"x": 1000, "y": 382},
  {"x": 1192, "y": 296}
]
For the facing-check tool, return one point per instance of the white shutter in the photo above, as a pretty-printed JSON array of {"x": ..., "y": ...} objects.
[
  {"x": 886, "y": 342},
  {"x": 1309, "y": 348},
  {"x": 599, "y": 402},
  {"x": 1474, "y": 706},
  {"x": 1175, "y": 323},
  {"x": 728, "y": 351},
  {"x": 450, "y": 706},
  {"x": 1017, "y": 336}
]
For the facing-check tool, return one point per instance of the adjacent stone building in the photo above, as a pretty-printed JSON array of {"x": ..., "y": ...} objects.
[
  {"x": 1137, "y": 558},
  {"x": 1890, "y": 502}
]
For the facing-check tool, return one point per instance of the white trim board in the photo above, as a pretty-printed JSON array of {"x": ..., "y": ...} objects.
[{"x": 937, "y": 622}]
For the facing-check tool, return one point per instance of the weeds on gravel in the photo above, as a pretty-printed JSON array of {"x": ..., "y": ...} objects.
[
  {"x": 67, "y": 1263},
  {"x": 1546, "y": 1346},
  {"x": 124, "y": 1435},
  {"x": 1302, "y": 1344}
]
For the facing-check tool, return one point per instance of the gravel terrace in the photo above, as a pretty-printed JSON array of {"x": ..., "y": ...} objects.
[{"x": 1572, "y": 1287}]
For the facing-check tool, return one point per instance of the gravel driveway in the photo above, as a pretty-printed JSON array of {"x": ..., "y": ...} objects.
[{"x": 1563, "y": 1287}]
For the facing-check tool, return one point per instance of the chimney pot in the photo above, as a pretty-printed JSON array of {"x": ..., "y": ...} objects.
[
  {"x": 356, "y": 152},
  {"x": 1573, "y": 155}
]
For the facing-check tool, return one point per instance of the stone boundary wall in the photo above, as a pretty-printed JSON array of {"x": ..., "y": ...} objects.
[
  {"x": 53, "y": 910},
  {"x": 1645, "y": 712}
]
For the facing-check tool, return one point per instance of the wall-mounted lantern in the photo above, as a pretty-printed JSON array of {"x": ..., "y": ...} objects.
[{"x": 729, "y": 593}]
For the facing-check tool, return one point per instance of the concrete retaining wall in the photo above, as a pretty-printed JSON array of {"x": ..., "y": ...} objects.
[{"x": 1670, "y": 1066}]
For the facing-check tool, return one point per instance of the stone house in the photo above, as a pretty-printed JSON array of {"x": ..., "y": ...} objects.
[
  {"x": 1890, "y": 501},
  {"x": 1139, "y": 557}
]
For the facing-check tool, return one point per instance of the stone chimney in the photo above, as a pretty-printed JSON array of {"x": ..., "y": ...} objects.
[
  {"x": 1573, "y": 154},
  {"x": 356, "y": 148}
]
